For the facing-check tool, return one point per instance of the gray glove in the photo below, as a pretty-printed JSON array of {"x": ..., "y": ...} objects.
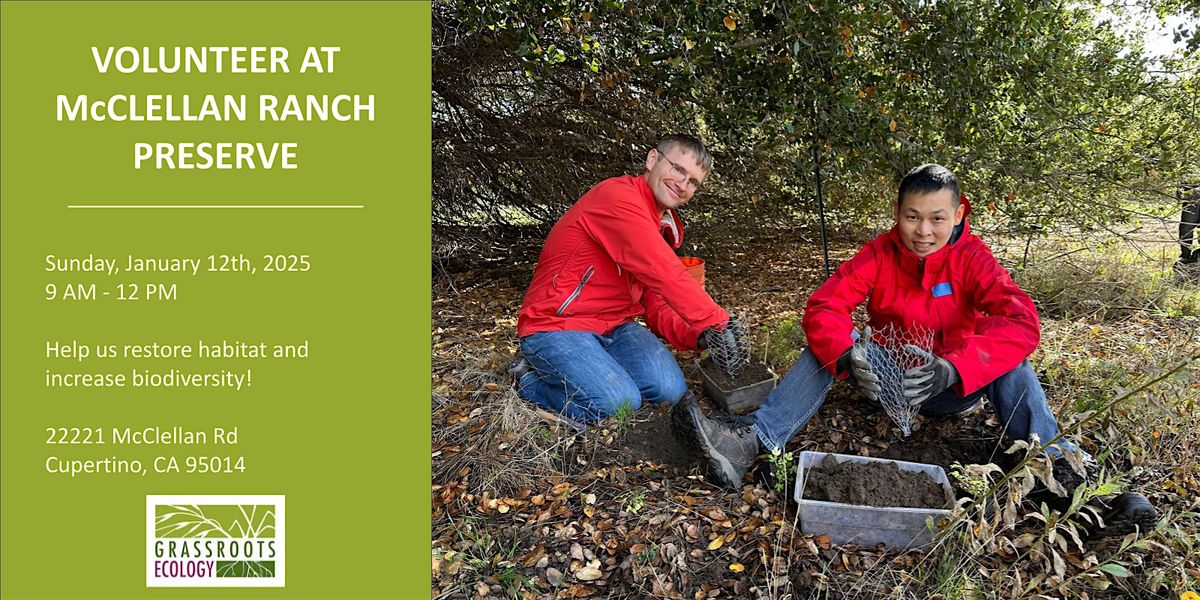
[
  {"x": 854, "y": 361},
  {"x": 928, "y": 380}
]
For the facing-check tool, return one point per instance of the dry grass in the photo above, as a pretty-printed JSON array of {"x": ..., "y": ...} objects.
[
  {"x": 1109, "y": 282},
  {"x": 493, "y": 442}
]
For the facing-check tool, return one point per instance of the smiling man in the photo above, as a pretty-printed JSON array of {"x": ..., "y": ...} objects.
[
  {"x": 928, "y": 271},
  {"x": 609, "y": 259}
]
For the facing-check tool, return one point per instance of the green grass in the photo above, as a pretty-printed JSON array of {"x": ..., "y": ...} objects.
[
  {"x": 783, "y": 343},
  {"x": 623, "y": 416},
  {"x": 1105, "y": 282}
]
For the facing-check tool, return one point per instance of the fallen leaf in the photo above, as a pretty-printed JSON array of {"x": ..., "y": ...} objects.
[
  {"x": 533, "y": 556},
  {"x": 589, "y": 573},
  {"x": 580, "y": 590},
  {"x": 737, "y": 567},
  {"x": 716, "y": 543},
  {"x": 779, "y": 565}
]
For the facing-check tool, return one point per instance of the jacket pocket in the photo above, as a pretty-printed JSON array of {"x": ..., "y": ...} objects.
[{"x": 587, "y": 275}]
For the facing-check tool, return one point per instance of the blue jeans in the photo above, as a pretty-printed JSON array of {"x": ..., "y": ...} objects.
[
  {"x": 587, "y": 376},
  {"x": 1016, "y": 396}
]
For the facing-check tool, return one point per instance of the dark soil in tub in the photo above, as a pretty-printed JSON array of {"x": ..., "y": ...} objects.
[
  {"x": 871, "y": 484},
  {"x": 754, "y": 372}
]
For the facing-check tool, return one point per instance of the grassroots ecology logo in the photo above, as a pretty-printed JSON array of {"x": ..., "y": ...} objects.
[{"x": 214, "y": 541}]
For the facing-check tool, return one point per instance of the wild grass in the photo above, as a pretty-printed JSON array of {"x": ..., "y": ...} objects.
[
  {"x": 493, "y": 440},
  {"x": 1105, "y": 282}
]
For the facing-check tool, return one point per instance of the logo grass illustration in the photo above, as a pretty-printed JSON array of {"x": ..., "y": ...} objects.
[{"x": 214, "y": 541}]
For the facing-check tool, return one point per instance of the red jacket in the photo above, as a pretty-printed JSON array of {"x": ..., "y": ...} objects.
[
  {"x": 608, "y": 260},
  {"x": 983, "y": 323}
]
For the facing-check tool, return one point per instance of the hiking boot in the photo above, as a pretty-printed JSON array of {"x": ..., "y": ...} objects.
[
  {"x": 969, "y": 410},
  {"x": 518, "y": 368},
  {"x": 1127, "y": 513},
  {"x": 1066, "y": 476},
  {"x": 960, "y": 413},
  {"x": 730, "y": 445}
]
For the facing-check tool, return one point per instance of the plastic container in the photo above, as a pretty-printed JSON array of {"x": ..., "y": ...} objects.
[
  {"x": 869, "y": 525},
  {"x": 738, "y": 400},
  {"x": 695, "y": 268}
]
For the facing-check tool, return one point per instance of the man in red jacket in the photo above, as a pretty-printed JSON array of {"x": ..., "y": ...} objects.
[
  {"x": 929, "y": 272},
  {"x": 610, "y": 259}
]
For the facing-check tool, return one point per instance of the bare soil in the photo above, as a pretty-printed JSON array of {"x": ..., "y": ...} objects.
[
  {"x": 647, "y": 438},
  {"x": 754, "y": 372},
  {"x": 872, "y": 484}
]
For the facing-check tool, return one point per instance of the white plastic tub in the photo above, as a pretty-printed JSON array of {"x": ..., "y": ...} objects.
[{"x": 869, "y": 525}]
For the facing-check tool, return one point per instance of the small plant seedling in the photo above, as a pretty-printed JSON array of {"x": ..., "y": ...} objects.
[
  {"x": 648, "y": 554},
  {"x": 635, "y": 501},
  {"x": 783, "y": 343},
  {"x": 513, "y": 581},
  {"x": 623, "y": 416},
  {"x": 783, "y": 469},
  {"x": 974, "y": 485}
]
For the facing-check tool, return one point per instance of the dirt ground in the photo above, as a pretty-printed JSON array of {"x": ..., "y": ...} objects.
[{"x": 525, "y": 508}]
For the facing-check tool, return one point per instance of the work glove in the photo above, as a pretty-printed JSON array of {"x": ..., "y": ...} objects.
[
  {"x": 854, "y": 362},
  {"x": 933, "y": 377},
  {"x": 726, "y": 346}
]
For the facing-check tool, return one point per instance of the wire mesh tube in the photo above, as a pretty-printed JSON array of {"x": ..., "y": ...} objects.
[
  {"x": 730, "y": 351},
  {"x": 889, "y": 360}
]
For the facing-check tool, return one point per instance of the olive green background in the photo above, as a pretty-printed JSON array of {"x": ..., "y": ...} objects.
[{"x": 343, "y": 434}]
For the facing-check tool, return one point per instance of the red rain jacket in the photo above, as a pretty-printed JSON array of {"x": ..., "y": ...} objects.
[
  {"x": 610, "y": 259},
  {"x": 983, "y": 323}
]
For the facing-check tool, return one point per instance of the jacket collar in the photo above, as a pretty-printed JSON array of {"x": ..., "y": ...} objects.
[
  {"x": 669, "y": 223},
  {"x": 912, "y": 263}
]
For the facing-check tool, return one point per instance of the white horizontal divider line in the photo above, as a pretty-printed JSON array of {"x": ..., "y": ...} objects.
[{"x": 225, "y": 206}]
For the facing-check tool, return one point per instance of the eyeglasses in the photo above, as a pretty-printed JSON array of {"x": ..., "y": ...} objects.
[{"x": 692, "y": 182}]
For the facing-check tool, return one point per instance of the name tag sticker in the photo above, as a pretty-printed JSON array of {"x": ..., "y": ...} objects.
[{"x": 942, "y": 289}]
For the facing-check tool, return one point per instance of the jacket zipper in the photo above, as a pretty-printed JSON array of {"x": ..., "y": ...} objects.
[{"x": 587, "y": 275}]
